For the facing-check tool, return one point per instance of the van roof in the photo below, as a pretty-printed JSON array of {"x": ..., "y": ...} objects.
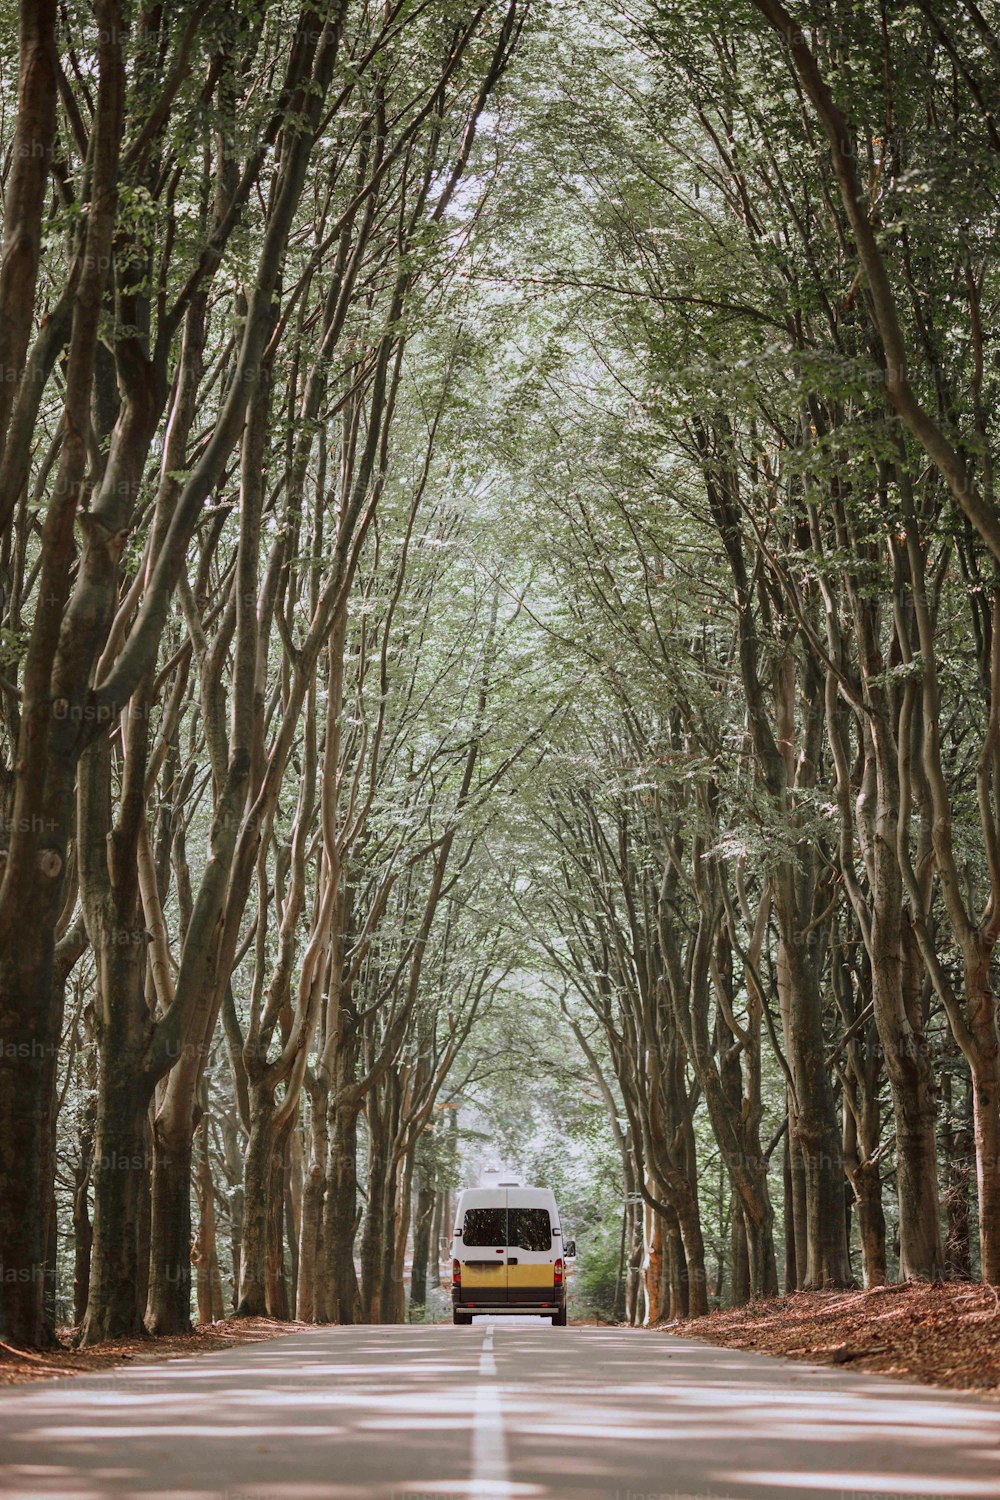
[{"x": 516, "y": 1196}]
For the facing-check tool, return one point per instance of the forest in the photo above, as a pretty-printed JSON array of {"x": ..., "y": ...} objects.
[{"x": 499, "y": 649}]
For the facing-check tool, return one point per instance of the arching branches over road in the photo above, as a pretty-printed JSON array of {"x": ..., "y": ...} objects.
[{"x": 499, "y": 648}]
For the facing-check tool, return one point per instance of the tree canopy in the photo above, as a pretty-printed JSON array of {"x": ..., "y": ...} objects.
[{"x": 499, "y": 648}]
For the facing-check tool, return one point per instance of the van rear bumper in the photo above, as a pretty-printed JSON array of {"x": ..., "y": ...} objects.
[
  {"x": 541, "y": 1300},
  {"x": 508, "y": 1309}
]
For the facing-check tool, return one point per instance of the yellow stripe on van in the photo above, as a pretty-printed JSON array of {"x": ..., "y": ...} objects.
[
  {"x": 530, "y": 1276},
  {"x": 484, "y": 1276}
]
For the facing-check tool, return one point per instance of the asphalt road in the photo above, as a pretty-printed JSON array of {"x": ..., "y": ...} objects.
[{"x": 492, "y": 1412}]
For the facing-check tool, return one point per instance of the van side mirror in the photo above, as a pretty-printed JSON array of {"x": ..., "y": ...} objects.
[{"x": 569, "y": 1249}]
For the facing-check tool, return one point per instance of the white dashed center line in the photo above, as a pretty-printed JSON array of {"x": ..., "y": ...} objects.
[{"x": 490, "y": 1469}]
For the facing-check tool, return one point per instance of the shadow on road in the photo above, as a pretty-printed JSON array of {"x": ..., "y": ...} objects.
[{"x": 392, "y": 1414}]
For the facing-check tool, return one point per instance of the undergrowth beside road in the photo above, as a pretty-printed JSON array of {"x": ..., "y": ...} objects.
[
  {"x": 945, "y": 1334},
  {"x": 17, "y": 1367}
]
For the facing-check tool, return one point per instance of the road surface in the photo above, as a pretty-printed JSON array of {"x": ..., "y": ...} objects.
[{"x": 515, "y": 1411}]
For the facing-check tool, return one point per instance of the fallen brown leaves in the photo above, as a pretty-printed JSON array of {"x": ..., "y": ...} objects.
[
  {"x": 941, "y": 1334},
  {"x": 18, "y": 1366}
]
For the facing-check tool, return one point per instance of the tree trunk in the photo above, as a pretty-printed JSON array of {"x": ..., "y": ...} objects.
[
  {"x": 794, "y": 1207},
  {"x": 168, "y": 1308},
  {"x": 233, "y": 1159},
  {"x": 740, "y": 1289},
  {"x": 75, "y": 587},
  {"x": 436, "y": 1249},
  {"x": 862, "y": 1131},
  {"x": 404, "y": 1213},
  {"x": 257, "y": 1187},
  {"x": 958, "y": 1152},
  {"x": 900, "y": 1029},
  {"x": 30, "y": 157},
  {"x": 985, "y": 1068},
  {"x": 387, "y": 1246},
  {"x": 422, "y": 1236},
  {"x": 293, "y": 1207},
  {"x": 653, "y": 1268},
  {"x": 816, "y": 1128},
  {"x": 618, "y": 1306},
  {"x": 373, "y": 1234},
  {"x": 395, "y": 1232},
  {"x": 83, "y": 1236},
  {"x": 83, "y": 1232},
  {"x": 871, "y": 1224},
  {"x": 921, "y": 1252},
  {"x": 762, "y": 1261},
  {"x": 340, "y": 1217},
  {"x": 145, "y": 1218},
  {"x": 278, "y": 1305},
  {"x": 30, "y": 1027},
  {"x": 694, "y": 1258},
  {"x": 733, "y": 1101},
  {"x": 125, "y": 1086},
  {"x": 208, "y": 1278},
  {"x": 310, "y": 1305},
  {"x": 676, "y": 1291},
  {"x": 120, "y": 1179},
  {"x": 635, "y": 1262}
]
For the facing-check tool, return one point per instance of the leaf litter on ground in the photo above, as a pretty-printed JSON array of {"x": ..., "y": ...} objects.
[
  {"x": 18, "y": 1366},
  {"x": 939, "y": 1333}
]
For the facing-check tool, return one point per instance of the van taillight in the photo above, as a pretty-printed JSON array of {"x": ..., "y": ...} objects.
[
  {"x": 456, "y": 1273},
  {"x": 557, "y": 1273}
]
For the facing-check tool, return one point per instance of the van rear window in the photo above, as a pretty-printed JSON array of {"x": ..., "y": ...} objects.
[
  {"x": 484, "y": 1226},
  {"x": 529, "y": 1228}
]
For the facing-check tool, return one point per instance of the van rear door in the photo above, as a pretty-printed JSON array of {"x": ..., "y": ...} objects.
[
  {"x": 531, "y": 1247},
  {"x": 484, "y": 1246}
]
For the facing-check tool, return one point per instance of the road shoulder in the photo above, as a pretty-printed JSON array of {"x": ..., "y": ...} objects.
[{"x": 20, "y": 1367}]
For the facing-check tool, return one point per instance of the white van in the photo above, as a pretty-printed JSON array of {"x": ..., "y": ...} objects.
[{"x": 508, "y": 1254}]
